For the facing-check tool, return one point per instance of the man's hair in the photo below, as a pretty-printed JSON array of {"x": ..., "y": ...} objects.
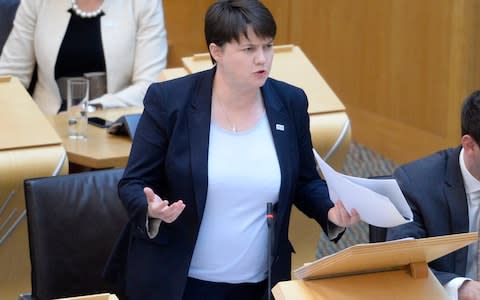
[
  {"x": 225, "y": 20},
  {"x": 470, "y": 116}
]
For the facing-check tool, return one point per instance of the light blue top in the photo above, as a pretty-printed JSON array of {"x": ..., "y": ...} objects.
[{"x": 243, "y": 175}]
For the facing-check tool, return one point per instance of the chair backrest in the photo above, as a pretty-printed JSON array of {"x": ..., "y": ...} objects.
[
  {"x": 376, "y": 234},
  {"x": 73, "y": 223},
  {"x": 8, "y": 9}
]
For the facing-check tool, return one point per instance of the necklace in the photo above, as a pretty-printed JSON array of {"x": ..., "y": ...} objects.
[
  {"x": 86, "y": 14},
  {"x": 251, "y": 110},
  {"x": 234, "y": 128}
]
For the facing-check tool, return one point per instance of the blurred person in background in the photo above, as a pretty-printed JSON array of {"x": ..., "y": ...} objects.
[
  {"x": 123, "y": 39},
  {"x": 443, "y": 190}
]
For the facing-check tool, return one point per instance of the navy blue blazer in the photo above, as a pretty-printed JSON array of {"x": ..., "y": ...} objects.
[
  {"x": 434, "y": 188},
  {"x": 169, "y": 154}
]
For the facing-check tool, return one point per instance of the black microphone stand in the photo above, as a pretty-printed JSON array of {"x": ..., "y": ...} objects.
[{"x": 270, "y": 219}]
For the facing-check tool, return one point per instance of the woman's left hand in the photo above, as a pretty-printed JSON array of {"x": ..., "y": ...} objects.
[{"x": 340, "y": 216}]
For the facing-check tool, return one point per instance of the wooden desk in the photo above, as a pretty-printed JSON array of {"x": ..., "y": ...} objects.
[{"x": 100, "y": 150}]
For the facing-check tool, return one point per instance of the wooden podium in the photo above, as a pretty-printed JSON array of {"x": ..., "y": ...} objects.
[
  {"x": 29, "y": 147},
  {"x": 103, "y": 296},
  {"x": 377, "y": 271}
]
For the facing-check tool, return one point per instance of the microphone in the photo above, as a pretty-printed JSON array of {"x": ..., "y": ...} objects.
[
  {"x": 270, "y": 219},
  {"x": 269, "y": 214}
]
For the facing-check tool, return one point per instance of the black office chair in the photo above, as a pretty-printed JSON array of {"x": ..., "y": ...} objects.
[
  {"x": 73, "y": 223},
  {"x": 376, "y": 234}
]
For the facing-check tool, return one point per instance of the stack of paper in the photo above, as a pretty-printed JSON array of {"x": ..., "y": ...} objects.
[{"x": 379, "y": 202}]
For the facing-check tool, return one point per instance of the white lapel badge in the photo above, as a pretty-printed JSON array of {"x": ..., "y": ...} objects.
[{"x": 280, "y": 127}]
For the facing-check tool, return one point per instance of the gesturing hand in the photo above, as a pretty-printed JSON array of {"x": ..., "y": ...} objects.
[
  {"x": 340, "y": 216},
  {"x": 159, "y": 209}
]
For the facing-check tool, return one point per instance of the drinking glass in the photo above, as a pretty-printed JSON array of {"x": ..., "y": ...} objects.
[{"x": 77, "y": 107}]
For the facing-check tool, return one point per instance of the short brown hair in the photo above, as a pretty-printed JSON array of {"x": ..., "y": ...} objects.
[{"x": 225, "y": 20}]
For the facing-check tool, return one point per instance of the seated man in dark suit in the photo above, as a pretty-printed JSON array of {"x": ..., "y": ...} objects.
[{"x": 443, "y": 190}]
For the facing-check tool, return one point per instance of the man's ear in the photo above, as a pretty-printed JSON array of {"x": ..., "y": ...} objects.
[
  {"x": 468, "y": 143},
  {"x": 215, "y": 51}
]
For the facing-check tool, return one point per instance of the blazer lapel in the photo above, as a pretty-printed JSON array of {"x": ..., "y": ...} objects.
[
  {"x": 52, "y": 26},
  {"x": 282, "y": 129},
  {"x": 199, "y": 117},
  {"x": 454, "y": 191},
  {"x": 55, "y": 26}
]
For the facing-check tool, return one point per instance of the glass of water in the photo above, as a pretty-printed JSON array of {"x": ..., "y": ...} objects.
[{"x": 77, "y": 107}]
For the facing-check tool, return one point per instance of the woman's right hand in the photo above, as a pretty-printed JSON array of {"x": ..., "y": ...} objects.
[{"x": 159, "y": 209}]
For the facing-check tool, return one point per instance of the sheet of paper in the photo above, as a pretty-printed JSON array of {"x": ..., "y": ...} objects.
[{"x": 379, "y": 202}]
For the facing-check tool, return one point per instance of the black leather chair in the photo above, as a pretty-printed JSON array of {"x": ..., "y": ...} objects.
[
  {"x": 376, "y": 234},
  {"x": 73, "y": 223}
]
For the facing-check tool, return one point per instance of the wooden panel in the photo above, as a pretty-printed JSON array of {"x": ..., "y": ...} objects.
[
  {"x": 184, "y": 23},
  {"x": 464, "y": 60},
  {"x": 401, "y": 64},
  {"x": 281, "y": 12}
]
